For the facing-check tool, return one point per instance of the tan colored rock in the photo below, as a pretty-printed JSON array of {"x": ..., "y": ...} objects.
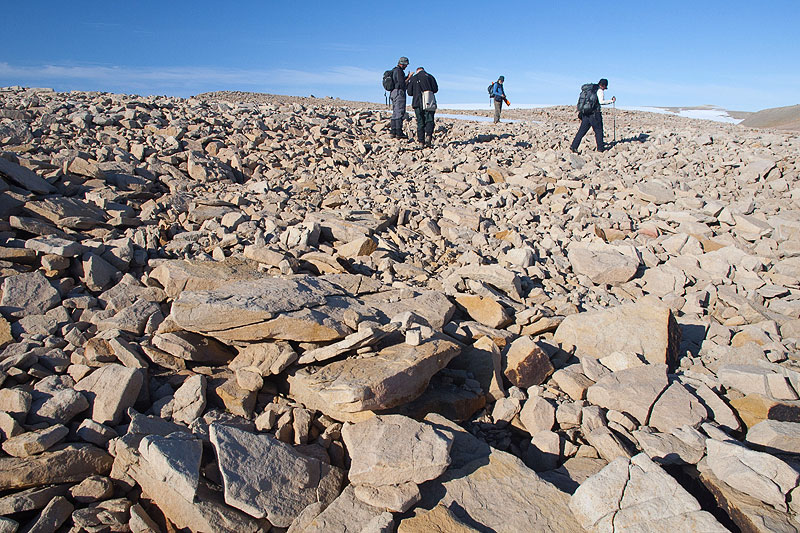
[
  {"x": 66, "y": 464},
  {"x": 269, "y": 357},
  {"x": 748, "y": 513},
  {"x": 526, "y": 364},
  {"x": 394, "y": 376},
  {"x": 111, "y": 390},
  {"x": 394, "y": 449},
  {"x": 485, "y": 310},
  {"x": 603, "y": 264},
  {"x": 755, "y": 408},
  {"x": 637, "y": 495},
  {"x": 631, "y": 391},
  {"x": 440, "y": 519},
  {"x": 361, "y": 246},
  {"x": 208, "y": 512},
  {"x": 5, "y": 332},
  {"x": 266, "y": 478},
  {"x": 640, "y": 328},
  {"x": 675, "y": 408}
]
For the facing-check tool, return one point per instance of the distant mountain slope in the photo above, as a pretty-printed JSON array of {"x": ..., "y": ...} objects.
[{"x": 781, "y": 118}]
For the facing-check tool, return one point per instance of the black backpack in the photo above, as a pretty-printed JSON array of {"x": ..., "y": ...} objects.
[
  {"x": 490, "y": 88},
  {"x": 388, "y": 80},
  {"x": 587, "y": 101}
]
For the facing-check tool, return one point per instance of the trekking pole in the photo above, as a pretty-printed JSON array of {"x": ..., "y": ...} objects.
[{"x": 614, "y": 118}]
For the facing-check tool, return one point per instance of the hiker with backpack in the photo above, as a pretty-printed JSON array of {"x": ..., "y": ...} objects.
[
  {"x": 395, "y": 81},
  {"x": 498, "y": 94},
  {"x": 589, "y": 111},
  {"x": 422, "y": 88}
]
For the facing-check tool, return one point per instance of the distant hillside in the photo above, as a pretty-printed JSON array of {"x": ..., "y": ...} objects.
[{"x": 780, "y": 118}]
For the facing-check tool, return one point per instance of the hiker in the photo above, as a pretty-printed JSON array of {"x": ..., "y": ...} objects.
[
  {"x": 397, "y": 97},
  {"x": 421, "y": 88},
  {"x": 592, "y": 97},
  {"x": 499, "y": 95}
]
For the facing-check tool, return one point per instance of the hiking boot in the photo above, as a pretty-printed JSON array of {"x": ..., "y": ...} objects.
[
  {"x": 429, "y": 140},
  {"x": 573, "y": 150}
]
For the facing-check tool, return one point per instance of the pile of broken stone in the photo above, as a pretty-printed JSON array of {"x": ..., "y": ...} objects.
[{"x": 227, "y": 316}]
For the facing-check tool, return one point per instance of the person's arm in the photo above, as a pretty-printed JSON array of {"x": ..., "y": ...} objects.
[
  {"x": 601, "y": 97},
  {"x": 434, "y": 85},
  {"x": 410, "y": 86}
]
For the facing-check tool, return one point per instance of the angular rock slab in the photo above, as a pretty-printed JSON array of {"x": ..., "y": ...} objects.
[
  {"x": 749, "y": 513},
  {"x": 394, "y": 376},
  {"x": 111, "y": 390},
  {"x": 206, "y": 513},
  {"x": 27, "y": 294},
  {"x": 604, "y": 265},
  {"x": 180, "y": 275},
  {"x": 176, "y": 458},
  {"x": 525, "y": 363},
  {"x": 757, "y": 474},
  {"x": 640, "y": 328},
  {"x": 637, "y": 495},
  {"x": 632, "y": 391},
  {"x": 266, "y": 478},
  {"x": 67, "y": 464},
  {"x": 25, "y": 177},
  {"x": 492, "y": 490},
  {"x": 301, "y": 308},
  {"x": 775, "y": 436},
  {"x": 394, "y": 449},
  {"x": 345, "y": 513},
  {"x": 440, "y": 519},
  {"x": 675, "y": 408}
]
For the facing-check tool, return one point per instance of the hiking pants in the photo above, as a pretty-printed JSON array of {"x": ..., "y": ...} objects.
[
  {"x": 398, "y": 101},
  {"x": 424, "y": 123},
  {"x": 595, "y": 120},
  {"x": 498, "y": 106}
]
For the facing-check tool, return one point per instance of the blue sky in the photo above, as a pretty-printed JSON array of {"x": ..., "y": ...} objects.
[{"x": 735, "y": 54}]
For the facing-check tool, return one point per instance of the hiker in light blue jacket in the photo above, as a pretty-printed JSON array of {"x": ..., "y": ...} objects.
[{"x": 499, "y": 96}]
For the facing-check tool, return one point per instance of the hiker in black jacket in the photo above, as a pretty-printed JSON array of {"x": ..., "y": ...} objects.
[
  {"x": 592, "y": 116},
  {"x": 422, "y": 82},
  {"x": 398, "y": 97}
]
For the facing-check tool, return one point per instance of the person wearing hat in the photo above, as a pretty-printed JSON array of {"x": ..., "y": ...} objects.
[
  {"x": 499, "y": 96},
  {"x": 593, "y": 118},
  {"x": 398, "y": 97}
]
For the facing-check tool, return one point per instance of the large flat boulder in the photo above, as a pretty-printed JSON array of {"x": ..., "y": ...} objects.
[
  {"x": 27, "y": 294},
  {"x": 395, "y": 375},
  {"x": 267, "y": 478},
  {"x": 637, "y": 495},
  {"x": 64, "y": 464},
  {"x": 760, "y": 475},
  {"x": 641, "y": 328},
  {"x": 492, "y": 490},
  {"x": 633, "y": 390},
  {"x": 302, "y": 308},
  {"x": 207, "y": 512},
  {"x": 345, "y": 513},
  {"x": 111, "y": 390},
  {"x": 394, "y": 449},
  {"x": 604, "y": 264}
]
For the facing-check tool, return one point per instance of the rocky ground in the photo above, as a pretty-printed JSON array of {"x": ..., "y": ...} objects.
[{"x": 242, "y": 312}]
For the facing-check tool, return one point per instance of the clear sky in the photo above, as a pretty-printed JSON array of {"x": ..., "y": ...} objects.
[{"x": 741, "y": 55}]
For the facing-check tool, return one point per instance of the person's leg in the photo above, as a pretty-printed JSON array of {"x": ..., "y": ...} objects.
[
  {"x": 420, "y": 124},
  {"x": 398, "y": 109},
  {"x": 597, "y": 126},
  {"x": 584, "y": 127},
  {"x": 498, "y": 106},
  {"x": 429, "y": 124}
]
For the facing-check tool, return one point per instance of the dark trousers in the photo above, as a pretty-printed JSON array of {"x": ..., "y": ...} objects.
[
  {"x": 424, "y": 123},
  {"x": 595, "y": 120}
]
